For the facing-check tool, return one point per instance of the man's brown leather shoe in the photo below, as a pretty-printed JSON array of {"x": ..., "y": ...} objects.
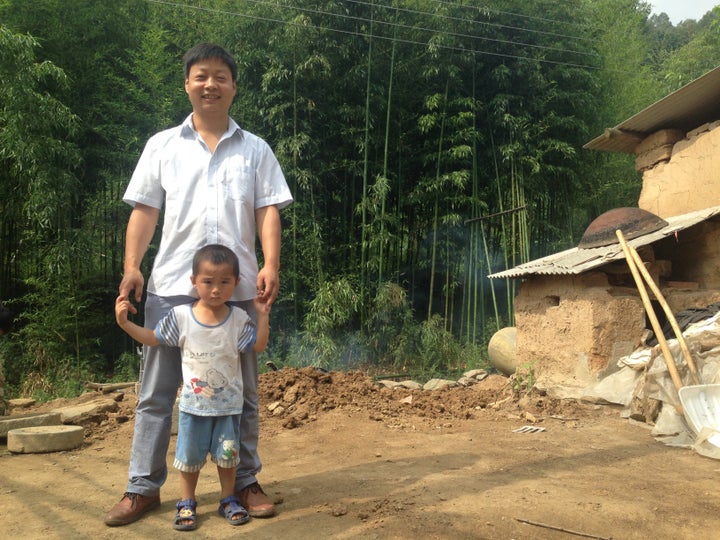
[
  {"x": 255, "y": 501},
  {"x": 130, "y": 508}
]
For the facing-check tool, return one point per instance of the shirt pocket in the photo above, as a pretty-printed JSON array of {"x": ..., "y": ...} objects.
[{"x": 237, "y": 179}]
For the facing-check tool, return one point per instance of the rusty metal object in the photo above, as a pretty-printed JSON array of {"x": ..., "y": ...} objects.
[{"x": 633, "y": 222}]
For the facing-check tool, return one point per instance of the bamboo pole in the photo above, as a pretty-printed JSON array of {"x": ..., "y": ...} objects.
[
  {"x": 667, "y": 354},
  {"x": 106, "y": 388},
  {"x": 668, "y": 312}
]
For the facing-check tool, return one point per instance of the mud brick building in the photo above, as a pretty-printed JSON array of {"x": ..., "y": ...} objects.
[{"x": 579, "y": 310}]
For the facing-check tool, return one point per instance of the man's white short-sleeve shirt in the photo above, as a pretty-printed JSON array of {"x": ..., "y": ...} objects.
[{"x": 208, "y": 198}]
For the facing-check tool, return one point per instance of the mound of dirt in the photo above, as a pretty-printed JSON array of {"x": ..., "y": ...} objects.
[{"x": 293, "y": 397}]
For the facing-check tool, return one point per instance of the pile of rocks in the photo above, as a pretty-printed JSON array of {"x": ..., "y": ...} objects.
[{"x": 468, "y": 378}]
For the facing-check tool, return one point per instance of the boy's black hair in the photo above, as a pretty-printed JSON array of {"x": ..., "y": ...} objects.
[
  {"x": 205, "y": 51},
  {"x": 216, "y": 254},
  {"x": 6, "y": 319}
]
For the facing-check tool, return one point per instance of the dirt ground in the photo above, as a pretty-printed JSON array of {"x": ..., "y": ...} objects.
[{"x": 345, "y": 459}]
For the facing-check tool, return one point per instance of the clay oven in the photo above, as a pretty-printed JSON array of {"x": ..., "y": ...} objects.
[{"x": 578, "y": 311}]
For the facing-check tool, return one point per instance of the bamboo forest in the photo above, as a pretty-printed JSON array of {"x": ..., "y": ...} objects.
[{"x": 427, "y": 144}]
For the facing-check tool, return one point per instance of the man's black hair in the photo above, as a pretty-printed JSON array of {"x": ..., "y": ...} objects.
[{"x": 205, "y": 51}]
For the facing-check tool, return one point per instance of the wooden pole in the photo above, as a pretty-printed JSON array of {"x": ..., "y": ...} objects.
[
  {"x": 667, "y": 354},
  {"x": 668, "y": 313}
]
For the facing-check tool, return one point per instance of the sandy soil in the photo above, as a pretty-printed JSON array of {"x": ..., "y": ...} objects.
[{"x": 345, "y": 459}]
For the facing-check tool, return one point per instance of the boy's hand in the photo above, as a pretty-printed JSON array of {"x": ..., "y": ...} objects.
[
  {"x": 122, "y": 307},
  {"x": 262, "y": 306}
]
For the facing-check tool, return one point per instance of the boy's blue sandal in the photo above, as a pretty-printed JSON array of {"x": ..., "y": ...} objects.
[
  {"x": 233, "y": 511},
  {"x": 185, "y": 513}
]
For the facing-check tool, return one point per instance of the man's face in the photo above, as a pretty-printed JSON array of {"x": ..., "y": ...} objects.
[{"x": 210, "y": 86}]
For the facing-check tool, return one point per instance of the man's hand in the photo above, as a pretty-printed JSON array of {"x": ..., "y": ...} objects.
[
  {"x": 268, "y": 285},
  {"x": 132, "y": 281}
]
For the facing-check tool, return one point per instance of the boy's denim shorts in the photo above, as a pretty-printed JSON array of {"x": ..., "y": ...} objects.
[{"x": 199, "y": 435}]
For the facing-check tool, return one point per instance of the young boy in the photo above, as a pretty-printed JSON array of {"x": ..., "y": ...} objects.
[{"x": 211, "y": 334}]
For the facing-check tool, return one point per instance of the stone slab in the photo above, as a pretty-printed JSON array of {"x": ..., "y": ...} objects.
[
  {"x": 28, "y": 420},
  {"x": 33, "y": 440},
  {"x": 74, "y": 413}
]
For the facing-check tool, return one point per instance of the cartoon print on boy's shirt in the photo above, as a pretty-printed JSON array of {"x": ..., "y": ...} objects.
[{"x": 213, "y": 383}]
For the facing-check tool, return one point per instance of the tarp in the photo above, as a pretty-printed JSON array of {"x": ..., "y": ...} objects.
[{"x": 643, "y": 376}]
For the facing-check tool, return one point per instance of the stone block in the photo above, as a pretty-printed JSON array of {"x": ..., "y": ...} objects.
[
  {"x": 661, "y": 138},
  {"x": 28, "y": 420}
]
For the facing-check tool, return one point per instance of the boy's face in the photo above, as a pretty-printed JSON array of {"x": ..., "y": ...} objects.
[
  {"x": 215, "y": 283},
  {"x": 210, "y": 86}
]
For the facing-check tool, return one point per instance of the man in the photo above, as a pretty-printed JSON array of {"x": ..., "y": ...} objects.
[{"x": 219, "y": 184}]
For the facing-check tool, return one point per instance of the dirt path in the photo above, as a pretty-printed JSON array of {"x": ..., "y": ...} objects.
[{"x": 350, "y": 461}]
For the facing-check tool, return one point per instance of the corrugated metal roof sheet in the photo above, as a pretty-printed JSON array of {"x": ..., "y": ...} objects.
[
  {"x": 577, "y": 260},
  {"x": 691, "y": 106}
]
